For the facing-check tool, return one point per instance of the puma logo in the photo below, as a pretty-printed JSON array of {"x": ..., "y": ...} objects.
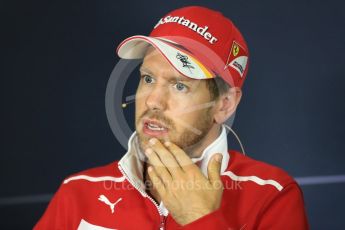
[{"x": 105, "y": 200}]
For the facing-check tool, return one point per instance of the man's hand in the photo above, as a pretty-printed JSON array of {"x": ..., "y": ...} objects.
[{"x": 184, "y": 190}]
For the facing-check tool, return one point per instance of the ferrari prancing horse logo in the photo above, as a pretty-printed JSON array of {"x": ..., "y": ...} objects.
[
  {"x": 237, "y": 58},
  {"x": 235, "y": 50}
]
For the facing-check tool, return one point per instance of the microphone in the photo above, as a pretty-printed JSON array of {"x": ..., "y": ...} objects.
[{"x": 128, "y": 101}]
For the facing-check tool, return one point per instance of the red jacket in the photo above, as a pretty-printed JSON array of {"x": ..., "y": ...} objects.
[{"x": 256, "y": 196}]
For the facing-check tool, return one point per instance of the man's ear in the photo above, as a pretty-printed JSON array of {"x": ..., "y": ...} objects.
[{"x": 226, "y": 104}]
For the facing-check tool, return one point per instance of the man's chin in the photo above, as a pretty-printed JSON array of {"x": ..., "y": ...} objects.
[
  {"x": 144, "y": 140},
  {"x": 144, "y": 144}
]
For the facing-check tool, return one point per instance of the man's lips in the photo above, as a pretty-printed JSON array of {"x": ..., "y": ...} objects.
[
  {"x": 155, "y": 123},
  {"x": 154, "y": 128}
]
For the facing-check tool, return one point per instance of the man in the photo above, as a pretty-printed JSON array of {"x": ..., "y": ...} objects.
[{"x": 178, "y": 172}]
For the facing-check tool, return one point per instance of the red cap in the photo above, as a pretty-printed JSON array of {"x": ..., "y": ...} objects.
[{"x": 198, "y": 42}]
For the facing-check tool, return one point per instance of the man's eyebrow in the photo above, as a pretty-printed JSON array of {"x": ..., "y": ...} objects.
[
  {"x": 143, "y": 69},
  {"x": 171, "y": 78},
  {"x": 179, "y": 78}
]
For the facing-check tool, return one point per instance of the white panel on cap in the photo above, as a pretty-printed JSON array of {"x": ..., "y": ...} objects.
[
  {"x": 181, "y": 61},
  {"x": 136, "y": 46},
  {"x": 239, "y": 64},
  {"x": 133, "y": 49}
]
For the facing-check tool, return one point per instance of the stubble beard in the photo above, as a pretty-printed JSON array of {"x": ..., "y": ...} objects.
[{"x": 188, "y": 140}]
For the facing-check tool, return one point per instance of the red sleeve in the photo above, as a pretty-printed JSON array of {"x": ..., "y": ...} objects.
[
  {"x": 285, "y": 211},
  {"x": 211, "y": 221},
  {"x": 54, "y": 216}
]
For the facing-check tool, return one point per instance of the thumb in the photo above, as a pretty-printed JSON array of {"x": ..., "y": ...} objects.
[{"x": 213, "y": 168}]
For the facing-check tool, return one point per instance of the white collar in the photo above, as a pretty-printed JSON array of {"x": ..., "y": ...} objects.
[
  {"x": 219, "y": 145},
  {"x": 131, "y": 163}
]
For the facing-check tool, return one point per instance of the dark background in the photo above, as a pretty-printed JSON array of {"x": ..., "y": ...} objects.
[{"x": 57, "y": 56}]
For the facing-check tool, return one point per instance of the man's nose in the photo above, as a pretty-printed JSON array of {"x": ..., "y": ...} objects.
[{"x": 156, "y": 99}]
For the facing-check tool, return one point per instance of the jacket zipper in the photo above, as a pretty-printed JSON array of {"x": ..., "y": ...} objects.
[
  {"x": 144, "y": 194},
  {"x": 162, "y": 225}
]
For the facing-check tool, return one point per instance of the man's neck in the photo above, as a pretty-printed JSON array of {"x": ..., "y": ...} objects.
[
  {"x": 150, "y": 190},
  {"x": 196, "y": 150}
]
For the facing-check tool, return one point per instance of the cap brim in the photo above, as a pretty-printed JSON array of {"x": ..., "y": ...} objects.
[{"x": 135, "y": 47}]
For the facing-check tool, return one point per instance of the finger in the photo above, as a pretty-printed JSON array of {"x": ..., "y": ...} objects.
[
  {"x": 181, "y": 157},
  {"x": 166, "y": 157},
  {"x": 158, "y": 184},
  {"x": 159, "y": 167},
  {"x": 213, "y": 168}
]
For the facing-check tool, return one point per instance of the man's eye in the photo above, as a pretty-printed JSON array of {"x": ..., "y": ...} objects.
[
  {"x": 181, "y": 87},
  {"x": 148, "y": 79}
]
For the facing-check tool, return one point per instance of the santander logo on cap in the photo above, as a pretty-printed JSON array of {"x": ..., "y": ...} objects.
[{"x": 189, "y": 24}]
